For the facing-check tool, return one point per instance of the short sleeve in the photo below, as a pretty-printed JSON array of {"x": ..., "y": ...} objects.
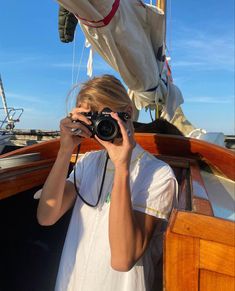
[
  {"x": 156, "y": 193},
  {"x": 78, "y": 171}
]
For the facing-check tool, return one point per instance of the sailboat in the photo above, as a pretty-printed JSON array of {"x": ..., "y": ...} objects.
[
  {"x": 199, "y": 244},
  {"x": 11, "y": 138},
  {"x": 9, "y": 116}
]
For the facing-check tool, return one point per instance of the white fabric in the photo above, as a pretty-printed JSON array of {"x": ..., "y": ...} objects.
[
  {"x": 133, "y": 44},
  {"x": 90, "y": 59},
  {"x": 217, "y": 138},
  {"x": 85, "y": 261}
]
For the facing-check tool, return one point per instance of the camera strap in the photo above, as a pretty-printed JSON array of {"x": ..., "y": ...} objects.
[{"x": 102, "y": 182}]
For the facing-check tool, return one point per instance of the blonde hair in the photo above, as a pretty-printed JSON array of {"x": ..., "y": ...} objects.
[{"x": 104, "y": 90}]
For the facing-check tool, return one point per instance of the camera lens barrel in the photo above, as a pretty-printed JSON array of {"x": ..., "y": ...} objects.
[
  {"x": 103, "y": 125},
  {"x": 106, "y": 128}
]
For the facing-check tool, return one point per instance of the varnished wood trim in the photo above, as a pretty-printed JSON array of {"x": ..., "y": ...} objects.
[
  {"x": 217, "y": 257},
  {"x": 204, "y": 227},
  {"x": 202, "y": 206},
  {"x": 47, "y": 149},
  {"x": 26, "y": 167},
  {"x": 184, "y": 195},
  {"x": 181, "y": 262},
  {"x": 219, "y": 157},
  {"x": 212, "y": 281},
  {"x": 14, "y": 185},
  {"x": 200, "y": 201}
]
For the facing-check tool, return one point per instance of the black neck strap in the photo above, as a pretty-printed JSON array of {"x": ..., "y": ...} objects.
[{"x": 102, "y": 182}]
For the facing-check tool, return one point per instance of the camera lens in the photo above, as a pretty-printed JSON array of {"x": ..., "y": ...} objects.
[{"x": 107, "y": 128}]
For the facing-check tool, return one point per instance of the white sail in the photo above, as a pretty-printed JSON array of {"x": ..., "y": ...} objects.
[{"x": 129, "y": 35}]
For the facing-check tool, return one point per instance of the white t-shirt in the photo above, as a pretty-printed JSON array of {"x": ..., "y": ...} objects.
[{"x": 85, "y": 262}]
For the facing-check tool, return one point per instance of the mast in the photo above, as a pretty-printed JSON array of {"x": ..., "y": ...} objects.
[
  {"x": 4, "y": 101},
  {"x": 162, "y": 5}
]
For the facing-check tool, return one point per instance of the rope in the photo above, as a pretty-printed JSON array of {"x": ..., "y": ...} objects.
[
  {"x": 170, "y": 26},
  {"x": 74, "y": 81},
  {"x": 80, "y": 63},
  {"x": 73, "y": 57}
]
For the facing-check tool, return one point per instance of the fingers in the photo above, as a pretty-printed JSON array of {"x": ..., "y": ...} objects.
[
  {"x": 104, "y": 143},
  {"x": 125, "y": 127},
  {"x": 76, "y": 115},
  {"x": 74, "y": 128}
]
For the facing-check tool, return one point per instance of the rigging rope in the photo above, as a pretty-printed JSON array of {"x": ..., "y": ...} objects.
[
  {"x": 80, "y": 63},
  {"x": 73, "y": 58},
  {"x": 170, "y": 26},
  {"x": 74, "y": 67}
]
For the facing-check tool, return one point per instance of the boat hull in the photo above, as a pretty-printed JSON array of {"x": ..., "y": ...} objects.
[{"x": 194, "y": 237}]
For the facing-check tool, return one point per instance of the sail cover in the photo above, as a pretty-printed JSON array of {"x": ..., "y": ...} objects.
[{"x": 129, "y": 35}]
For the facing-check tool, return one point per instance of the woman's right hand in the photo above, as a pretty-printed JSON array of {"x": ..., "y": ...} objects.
[{"x": 72, "y": 131}]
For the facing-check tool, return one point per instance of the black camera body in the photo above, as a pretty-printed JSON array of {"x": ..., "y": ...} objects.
[{"x": 103, "y": 125}]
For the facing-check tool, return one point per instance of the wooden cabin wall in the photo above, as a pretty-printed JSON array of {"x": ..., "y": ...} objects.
[{"x": 199, "y": 253}]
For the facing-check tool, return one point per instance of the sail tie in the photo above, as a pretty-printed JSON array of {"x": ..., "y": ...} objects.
[
  {"x": 90, "y": 59},
  {"x": 101, "y": 23}
]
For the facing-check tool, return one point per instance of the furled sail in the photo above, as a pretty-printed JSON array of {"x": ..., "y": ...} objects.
[{"x": 129, "y": 35}]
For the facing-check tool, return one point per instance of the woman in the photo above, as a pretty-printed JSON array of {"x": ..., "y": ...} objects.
[{"x": 108, "y": 246}]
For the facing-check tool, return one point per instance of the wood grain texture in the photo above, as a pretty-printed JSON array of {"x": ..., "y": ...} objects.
[
  {"x": 211, "y": 281},
  {"x": 217, "y": 257},
  {"x": 204, "y": 227},
  {"x": 219, "y": 157},
  {"x": 181, "y": 262},
  {"x": 202, "y": 206},
  {"x": 193, "y": 263},
  {"x": 12, "y": 185},
  {"x": 200, "y": 201},
  {"x": 184, "y": 196},
  {"x": 24, "y": 168},
  {"x": 47, "y": 149}
]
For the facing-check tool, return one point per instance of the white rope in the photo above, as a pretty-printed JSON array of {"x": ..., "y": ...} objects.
[
  {"x": 72, "y": 93},
  {"x": 80, "y": 63},
  {"x": 170, "y": 26},
  {"x": 73, "y": 59}
]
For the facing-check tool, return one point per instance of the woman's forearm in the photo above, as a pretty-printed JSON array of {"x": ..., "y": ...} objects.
[
  {"x": 52, "y": 193},
  {"x": 124, "y": 234}
]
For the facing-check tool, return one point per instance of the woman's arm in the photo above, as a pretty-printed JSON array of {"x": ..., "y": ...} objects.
[
  {"x": 57, "y": 195},
  {"x": 129, "y": 231}
]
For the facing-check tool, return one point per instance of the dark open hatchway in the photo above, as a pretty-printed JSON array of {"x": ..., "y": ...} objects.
[{"x": 30, "y": 253}]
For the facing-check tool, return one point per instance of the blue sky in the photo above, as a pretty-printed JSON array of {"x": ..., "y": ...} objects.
[{"x": 36, "y": 67}]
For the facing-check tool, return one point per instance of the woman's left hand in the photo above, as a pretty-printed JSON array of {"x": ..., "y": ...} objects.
[{"x": 120, "y": 150}]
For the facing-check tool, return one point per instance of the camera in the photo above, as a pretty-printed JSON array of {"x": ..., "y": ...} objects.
[{"x": 103, "y": 125}]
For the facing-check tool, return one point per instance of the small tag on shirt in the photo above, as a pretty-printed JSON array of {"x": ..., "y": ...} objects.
[{"x": 108, "y": 198}]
